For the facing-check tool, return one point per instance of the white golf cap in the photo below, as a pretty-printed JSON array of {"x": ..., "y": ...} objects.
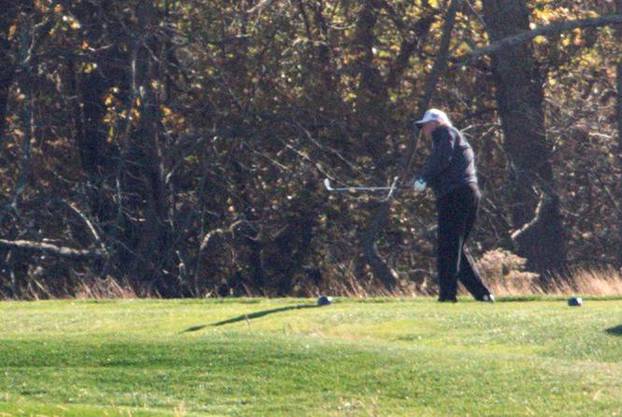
[{"x": 433, "y": 114}]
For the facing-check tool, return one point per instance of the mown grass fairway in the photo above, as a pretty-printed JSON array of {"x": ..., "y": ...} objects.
[{"x": 354, "y": 358}]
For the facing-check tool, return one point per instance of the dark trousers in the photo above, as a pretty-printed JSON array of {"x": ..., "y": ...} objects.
[{"x": 457, "y": 212}]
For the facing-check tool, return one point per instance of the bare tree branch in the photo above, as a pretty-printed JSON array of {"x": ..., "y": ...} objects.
[
  {"x": 259, "y": 7},
  {"x": 547, "y": 30},
  {"x": 89, "y": 225},
  {"x": 48, "y": 248}
]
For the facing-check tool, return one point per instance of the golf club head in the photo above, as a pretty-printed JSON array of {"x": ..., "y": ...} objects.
[
  {"x": 327, "y": 184},
  {"x": 575, "y": 301}
]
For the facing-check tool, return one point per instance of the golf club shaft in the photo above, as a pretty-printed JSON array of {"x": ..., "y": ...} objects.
[{"x": 329, "y": 187}]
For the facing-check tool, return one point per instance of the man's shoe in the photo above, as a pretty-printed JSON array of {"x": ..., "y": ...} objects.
[
  {"x": 488, "y": 298},
  {"x": 447, "y": 300}
]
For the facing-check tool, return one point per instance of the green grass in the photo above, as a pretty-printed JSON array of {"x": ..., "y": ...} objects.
[{"x": 379, "y": 357}]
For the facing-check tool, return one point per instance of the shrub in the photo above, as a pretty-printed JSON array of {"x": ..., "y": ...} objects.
[{"x": 500, "y": 264}]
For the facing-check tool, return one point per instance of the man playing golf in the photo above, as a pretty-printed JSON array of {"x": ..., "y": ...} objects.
[{"x": 450, "y": 171}]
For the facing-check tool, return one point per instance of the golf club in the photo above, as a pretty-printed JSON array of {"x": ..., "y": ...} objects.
[{"x": 351, "y": 188}]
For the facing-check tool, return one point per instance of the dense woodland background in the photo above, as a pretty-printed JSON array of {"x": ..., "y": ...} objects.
[{"x": 178, "y": 148}]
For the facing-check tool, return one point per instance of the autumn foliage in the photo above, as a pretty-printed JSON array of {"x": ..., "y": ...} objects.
[{"x": 178, "y": 148}]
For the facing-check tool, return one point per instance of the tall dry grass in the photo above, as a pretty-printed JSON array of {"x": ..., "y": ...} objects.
[
  {"x": 505, "y": 274},
  {"x": 108, "y": 288},
  {"x": 503, "y": 271}
]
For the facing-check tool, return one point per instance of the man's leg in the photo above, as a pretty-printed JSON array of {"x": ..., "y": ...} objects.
[
  {"x": 450, "y": 241},
  {"x": 468, "y": 274}
]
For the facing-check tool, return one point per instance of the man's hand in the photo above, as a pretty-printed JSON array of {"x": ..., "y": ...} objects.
[{"x": 419, "y": 185}]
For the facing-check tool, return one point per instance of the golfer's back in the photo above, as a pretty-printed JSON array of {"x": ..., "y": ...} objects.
[{"x": 458, "y": 165}]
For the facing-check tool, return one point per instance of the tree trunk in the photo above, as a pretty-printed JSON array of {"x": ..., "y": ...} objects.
[
  {"x": 412, "y": 37},
  {"x": 619, "y": 113},
  {"x": 380, "y": 214},
  {"x": 146, "y": 170},
  {"x": 7, "y": 64},
  {"x": 379, "y": 267},
  {"x": 26, "y": 81},
  {"x": 370, "y": 107},
  {"x": 88, "y": 90},
  {"x": 519, "y": 97}
]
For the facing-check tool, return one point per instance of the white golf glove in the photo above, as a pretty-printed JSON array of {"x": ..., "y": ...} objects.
[{"x": 419, "y": 185}]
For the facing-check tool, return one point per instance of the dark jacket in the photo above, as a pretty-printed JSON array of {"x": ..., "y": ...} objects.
[{"x": 451, "y": 163}]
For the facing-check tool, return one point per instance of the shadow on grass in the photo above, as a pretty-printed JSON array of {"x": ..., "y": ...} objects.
[
  {"x": 251, "y": 316},
  {"x": 616, "y": 331}
]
